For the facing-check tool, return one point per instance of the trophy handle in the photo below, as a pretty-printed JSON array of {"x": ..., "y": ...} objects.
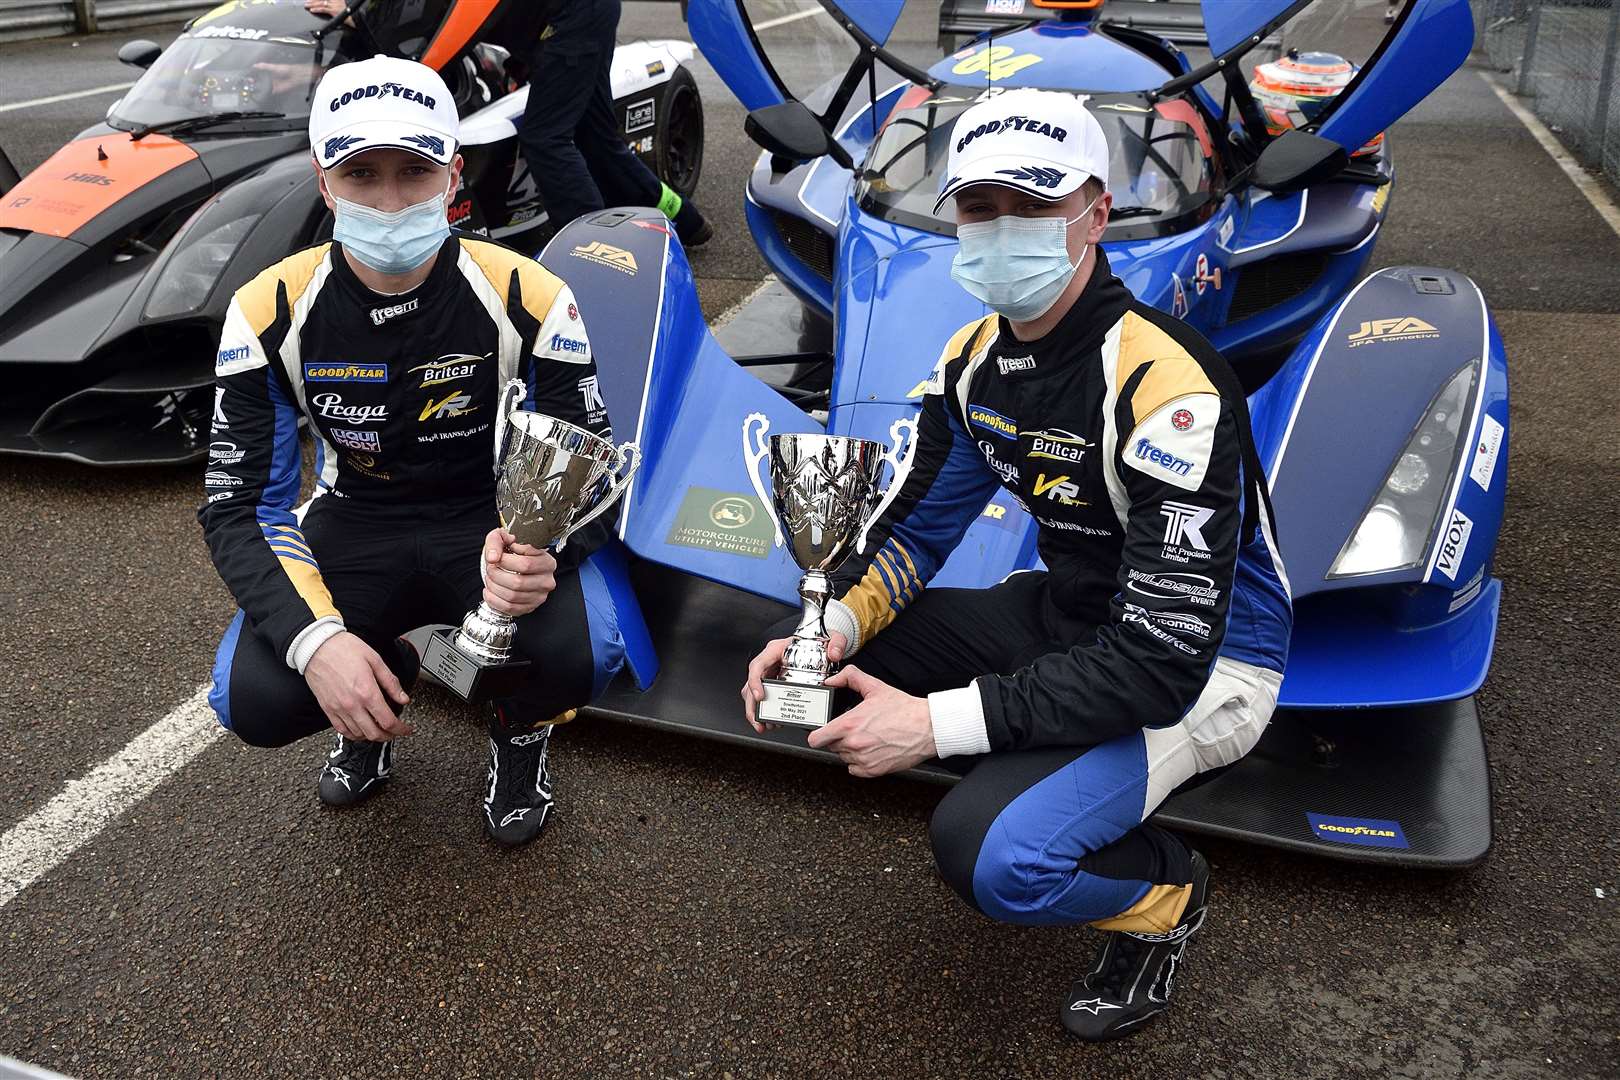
[
  {"x": 501, "y": 421},
  {"x": 629, "y": 461},
  {"x": 904, "y": 434},
  {"x": 755, "y": 450}
]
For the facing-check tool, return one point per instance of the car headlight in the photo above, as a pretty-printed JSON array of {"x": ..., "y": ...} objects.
[
  {"x": 1394, "y": 532},
  {"x": 192, "y": 271}
]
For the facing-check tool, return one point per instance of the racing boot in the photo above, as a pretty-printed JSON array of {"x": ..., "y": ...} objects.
[
  {"x": 355, "y": 770},
  {"x": 1135, "y": 973},
  {"x": 518, "y": 800}
]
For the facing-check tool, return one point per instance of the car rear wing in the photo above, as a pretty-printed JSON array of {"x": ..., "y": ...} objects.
[{"x": 1180, "y": 22}]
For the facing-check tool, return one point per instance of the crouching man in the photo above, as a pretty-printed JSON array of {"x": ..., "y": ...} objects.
[
  {"x": 1149, "y": 650},
  {"x": 393, "y": 341}
]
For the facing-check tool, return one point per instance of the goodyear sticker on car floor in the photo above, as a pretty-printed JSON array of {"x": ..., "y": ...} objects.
[{"x": 1368, "y": 832}]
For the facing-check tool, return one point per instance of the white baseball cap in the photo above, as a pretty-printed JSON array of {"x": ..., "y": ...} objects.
[
  {"x": 1042, "y": 142},
  {"x": 383, "y": 101}
]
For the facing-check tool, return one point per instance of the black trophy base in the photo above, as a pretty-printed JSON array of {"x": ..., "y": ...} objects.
[
  {"x": 471, "y": 680},
  {"x": 795, "y": 704}
]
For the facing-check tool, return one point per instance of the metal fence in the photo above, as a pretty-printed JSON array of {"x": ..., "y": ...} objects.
[
  {"x": 20, "y": 19},
  {"x": 1561, "y": 56}
]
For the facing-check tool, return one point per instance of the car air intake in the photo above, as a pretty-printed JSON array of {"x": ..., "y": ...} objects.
[
  {"x": 1266, "y": 284},
  {"x": 812, "y": 246}
]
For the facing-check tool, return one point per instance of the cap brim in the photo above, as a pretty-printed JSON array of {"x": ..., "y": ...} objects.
[
  {"x": 1040, "y": 177},
  {"x": 438, "y": 147}
]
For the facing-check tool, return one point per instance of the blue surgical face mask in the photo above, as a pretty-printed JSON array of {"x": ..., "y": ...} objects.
[
  {"x": 394, "y": 243},
  {"x": 1018, "y": 266}
]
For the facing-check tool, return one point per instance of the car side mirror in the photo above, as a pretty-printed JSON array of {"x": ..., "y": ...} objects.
[
  {"x": 139, "y": 53},
  {"x": 791, "y": 131},
  {"x": 1297, "y": 159}
]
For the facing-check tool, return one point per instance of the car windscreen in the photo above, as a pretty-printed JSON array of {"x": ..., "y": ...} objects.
[
  {"x": 206, "y": 72},
  {"x": 1160, "y": 161}
]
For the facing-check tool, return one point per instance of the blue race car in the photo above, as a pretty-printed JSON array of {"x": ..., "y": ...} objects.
[{"x": 1379, "y": 401}]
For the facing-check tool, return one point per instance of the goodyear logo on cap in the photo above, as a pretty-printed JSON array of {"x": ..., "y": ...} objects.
[{"x": 319, "y": 372}]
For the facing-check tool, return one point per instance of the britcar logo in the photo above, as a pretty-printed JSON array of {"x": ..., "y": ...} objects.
[
  {"x": 607, "y": 255},
  {"x": 1162, "y": 458},
  {"x": 234, "y": 33},
  {"x": 447, "y": 368},
  {"x": 1056, "y": 444},
  {"x": 1404, "y": 328},
  {"x": 991, "y": 420},
  {"x": 380, "y": 315},
  {"x": 315, "y": 371}
]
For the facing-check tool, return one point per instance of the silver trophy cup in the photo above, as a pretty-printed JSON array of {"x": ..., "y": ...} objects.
[
  {"x": 824, "y": 499},
  {"x": 551, "y": 480}
]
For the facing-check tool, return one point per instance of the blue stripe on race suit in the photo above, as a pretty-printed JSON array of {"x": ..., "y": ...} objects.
[
  {"x": 1026, "y": 871},
  {"x": 1259, "y": 617},
  {"x": 889, "y": 581},
  {"x": 607, "y": 645},
  {"x": 282, "y": 489},
  {"x": 219, "y": 695}
]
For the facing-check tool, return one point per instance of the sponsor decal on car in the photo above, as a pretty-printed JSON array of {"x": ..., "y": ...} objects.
[
  {"x": 725, "y": 521},
  {"x": 1178, "y": 302},
  {"x": 1003, "y": 7},
  {"x": 1367, "y": 832},
  {"x": 995, "y": 63},
  {"x": 1486, "y": 451},
  {"x": 1462, "y": 596},
  {"x": 639, "y": 115},
  {"x": 1454, "y": 544},
  {"x": 233, "y": 33},
  {"x": 1402, "y": 328},
  {"x": 1203, "y": 276},
  {"x": 607, "y": 255},
  {"x": 320, "y": 371}
]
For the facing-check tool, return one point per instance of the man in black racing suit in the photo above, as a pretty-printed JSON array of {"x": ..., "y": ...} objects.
[
  {"x": 1077, "y": 697},
  {"x": 393, "y": 342}
]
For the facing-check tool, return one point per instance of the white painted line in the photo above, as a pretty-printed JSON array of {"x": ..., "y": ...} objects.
[
  {"x": 92, "y": 92},
  {"x": 771, "y": 24},
  {"x": 40, "y": 842},
  {"x": 1584, "y": 181},
  {"x": 735, "y": 309}
]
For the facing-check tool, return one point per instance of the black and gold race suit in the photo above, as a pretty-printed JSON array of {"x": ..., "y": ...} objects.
[
  {"x": 400, "y": 395},
  {"x": 1126, "y": 436}
]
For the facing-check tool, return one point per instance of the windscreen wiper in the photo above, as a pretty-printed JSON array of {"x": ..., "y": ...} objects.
[{"x": 197, "y": 123}]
